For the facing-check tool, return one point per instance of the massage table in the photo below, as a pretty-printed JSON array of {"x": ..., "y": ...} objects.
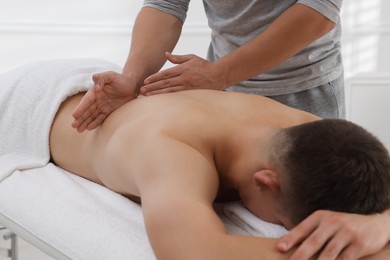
[
  {"x": 69, "y": 217},
  {"x": 64, "y": 215}
]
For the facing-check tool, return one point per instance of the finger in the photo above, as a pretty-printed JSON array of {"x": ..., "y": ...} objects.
[
  {"x": 352, "y": 252},
  {"x": 299, "y": 233},
  {"x": 76, "y": 123},
  {"x": 81, "y": 128},
  {"x": 92, "y": 115},
  {"x": 335, "y": 246},
  {"x": 164, "y": 74},
  {"x": 166, "y": 90},
  {"x": 315, "y": 242},
  {"x": 162, "y": 84},
  {"x": 87, "y": 117},
  {"x": 83, "y": 118},
  {"x": 87, "y": 100},
  {"x": 179, "y": 59},
  {"x": 97, "y": 122},
  {"x": 100, "y": 79}
]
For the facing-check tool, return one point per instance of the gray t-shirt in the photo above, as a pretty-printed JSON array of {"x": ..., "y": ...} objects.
[{"x": 235, "y": 22}]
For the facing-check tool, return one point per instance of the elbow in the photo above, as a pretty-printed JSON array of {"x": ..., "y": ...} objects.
[
  {"x": 327, "y": 26},
  {"x": 324, "y": 25}
]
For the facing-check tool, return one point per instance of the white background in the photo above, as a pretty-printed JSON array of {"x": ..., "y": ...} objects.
[{"x": 44, "y": 29}]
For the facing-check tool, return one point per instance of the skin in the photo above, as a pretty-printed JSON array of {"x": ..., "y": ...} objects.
[
  {"x": 159, "y": 148},
  {"x": 223, "y": 161}
]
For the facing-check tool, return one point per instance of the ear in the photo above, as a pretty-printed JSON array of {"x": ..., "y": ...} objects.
[{"x": 267, "y": 178}]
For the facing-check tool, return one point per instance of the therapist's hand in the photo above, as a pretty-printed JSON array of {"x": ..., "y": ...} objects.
[
  {"x": 334, "y": 235},
  {"x": 191, "y": 72},
  {"x": 111, "y": 90}
]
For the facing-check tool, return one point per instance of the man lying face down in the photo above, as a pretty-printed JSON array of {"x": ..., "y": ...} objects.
[{"x": 178, "y": 153}]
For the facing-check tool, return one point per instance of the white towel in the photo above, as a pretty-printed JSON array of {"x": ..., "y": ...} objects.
[
  {"x": 29, "y": 98},
  {"x": 244, "y": 222}
]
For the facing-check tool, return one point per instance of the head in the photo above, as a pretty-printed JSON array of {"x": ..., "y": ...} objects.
[{"x": 331, "y": 164}]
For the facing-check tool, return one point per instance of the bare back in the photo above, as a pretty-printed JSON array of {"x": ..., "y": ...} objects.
[{"x": 201, "y": 120}]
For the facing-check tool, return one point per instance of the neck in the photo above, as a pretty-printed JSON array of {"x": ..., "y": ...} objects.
[{"x": 242, "y": 155}]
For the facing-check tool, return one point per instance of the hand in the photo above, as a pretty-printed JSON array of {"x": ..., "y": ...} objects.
[
  {"x": 192, "y": 72},
  {"x": 333, "y": 235},
  {"x": 111, "y": 90}
]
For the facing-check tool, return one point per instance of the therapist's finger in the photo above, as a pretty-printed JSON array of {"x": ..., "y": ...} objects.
[
  {"x": 86, "y": 118},
  {"x": 83, "y": 125},
  {"x": 96, "y": 122},
  {"x": 165, "y": 90},
  {"x": 164, "y": 74},
  {"x": 160, "y": 86},
  {"x": 102, "y": 78},
  {"x": 179, "y": 59},
  {"x": 82, "y": 109}
]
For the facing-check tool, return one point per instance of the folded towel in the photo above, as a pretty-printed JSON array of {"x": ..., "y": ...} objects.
[
  {"x": 248, "y": 223},
  {"x": 29, "y": 99}
]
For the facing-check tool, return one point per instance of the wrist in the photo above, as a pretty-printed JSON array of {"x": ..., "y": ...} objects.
[
  {"x": 221, "y": 73},
  {"x": 133, "y": 80}
]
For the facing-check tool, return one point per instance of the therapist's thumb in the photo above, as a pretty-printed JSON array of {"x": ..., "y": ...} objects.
[
  {"x": 100, "y": 79},
  {"x": 179, "y": 59}
]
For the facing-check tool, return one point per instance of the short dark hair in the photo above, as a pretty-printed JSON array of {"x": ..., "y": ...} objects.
[{"x": 334, "y": 164}]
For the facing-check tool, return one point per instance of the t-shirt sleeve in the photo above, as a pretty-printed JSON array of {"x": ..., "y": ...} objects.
[
  {"x": 328, "y": 8},
  {"x": 176, "y": 8}
]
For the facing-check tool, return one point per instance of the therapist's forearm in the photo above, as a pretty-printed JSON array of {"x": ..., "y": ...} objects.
[
  {"x": 295, "y": 29},
  {"x": 154, "y": 33}
]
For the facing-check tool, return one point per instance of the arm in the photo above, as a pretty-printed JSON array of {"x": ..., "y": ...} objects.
[
  {"x": 154, "y": 33},
  {"x": 347, "y": 235},
  {"x": 295, "y": 29},
  {"x": 177, "y": 190}
]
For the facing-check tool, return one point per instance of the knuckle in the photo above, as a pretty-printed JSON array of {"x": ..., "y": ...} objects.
[
  {"x": 334, "y": 219},
  {"x": 352, "y": 230},
  {"x": 359, "y": 241},
  {"x": 320, "y": 213}
]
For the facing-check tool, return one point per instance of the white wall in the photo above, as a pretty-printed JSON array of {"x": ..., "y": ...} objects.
[
  {"x": 366, "y": 41},
  {"x": 45, "y": 29}
]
